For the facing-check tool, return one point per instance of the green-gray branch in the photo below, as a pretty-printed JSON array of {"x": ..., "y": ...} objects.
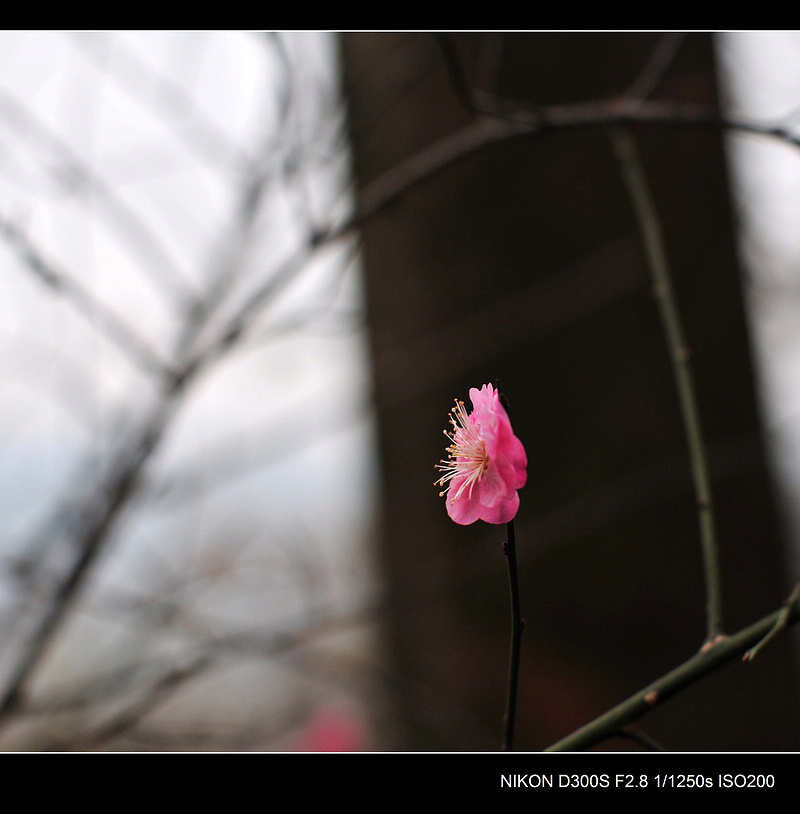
[{"x": 712, "y": 656}]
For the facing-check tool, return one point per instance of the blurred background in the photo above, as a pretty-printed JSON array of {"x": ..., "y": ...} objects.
[{"x": 236, "y": 310}]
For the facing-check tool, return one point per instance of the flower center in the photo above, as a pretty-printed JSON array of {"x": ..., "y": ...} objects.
[{"x": 467, "y": 453}]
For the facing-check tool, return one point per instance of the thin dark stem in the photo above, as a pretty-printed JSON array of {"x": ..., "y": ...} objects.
[
  {"x": 661, "y": 59},
  {"x": 517, "y": 626},
  {"x": 633, "y": 175}
]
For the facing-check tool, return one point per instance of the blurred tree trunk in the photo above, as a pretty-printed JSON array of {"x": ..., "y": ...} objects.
[{"x": 521, "y": 264}]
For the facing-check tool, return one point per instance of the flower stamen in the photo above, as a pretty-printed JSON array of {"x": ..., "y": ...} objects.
[{"x": 468, "y": 458}]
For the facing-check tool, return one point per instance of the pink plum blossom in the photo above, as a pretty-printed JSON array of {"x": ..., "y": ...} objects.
[{"x": 486, "y": 464}]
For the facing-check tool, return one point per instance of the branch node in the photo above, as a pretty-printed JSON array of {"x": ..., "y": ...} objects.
[{"x": 712, "y": 641}]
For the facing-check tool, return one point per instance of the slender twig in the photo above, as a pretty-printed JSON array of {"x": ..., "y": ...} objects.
[
  {"x": 85, "y": 302},
  {"x": 650, "y": 229},
  {"x": 706, "y": 661},
  {"x": 517, "y": 626},
  {"x": 486, "y": 130},
  {"x": 158, "y": 264},
  {"x": 780, "y": 623},
  {"x": 660, "y": 60},
  {"x": 458, "y": 78},
  {"x": 642, "y": 738},
  {"x": 155, "y": 89},
  {"x": 132, "y": 714},
  {"x": 88, "y": 535}
]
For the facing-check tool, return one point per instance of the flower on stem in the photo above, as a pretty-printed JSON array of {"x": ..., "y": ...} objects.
[{"x": 486, "y": 464}]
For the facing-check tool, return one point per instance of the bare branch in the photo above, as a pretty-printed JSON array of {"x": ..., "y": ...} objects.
[
  {"x": 90, "y": 307},
  {"x": 155, "y": 89},
  {"x": 704, "y": 662},
  {"x": 680, "y": 357},
  {"x": 661, "y": 59},
  {"x": 486, "y": 130},
  {"x": 157, "y": 263}
]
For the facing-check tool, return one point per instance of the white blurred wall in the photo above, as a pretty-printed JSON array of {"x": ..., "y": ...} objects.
[{"x": 761, "y": 82}]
